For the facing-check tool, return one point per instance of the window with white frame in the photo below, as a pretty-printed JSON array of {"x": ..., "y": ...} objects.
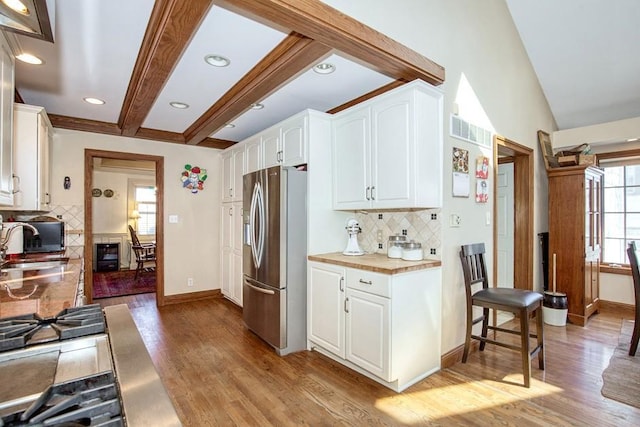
[
  {"x": 145, "y": 202},
  {"x": 621, "y": 209}
]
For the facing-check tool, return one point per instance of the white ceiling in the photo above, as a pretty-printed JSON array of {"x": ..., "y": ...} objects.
[
  {"x": 585, "y": 53},
  {"x": 95, "y": 49}
]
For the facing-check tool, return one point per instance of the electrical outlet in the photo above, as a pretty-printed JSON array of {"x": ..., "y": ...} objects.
[
  {"x": 455, "y": 220},
  {"x": 190, "y": 281},
  {"x": 379, "y": 235}
]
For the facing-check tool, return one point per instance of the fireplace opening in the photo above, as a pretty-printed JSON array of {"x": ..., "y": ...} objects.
[{"x": 107, "y": 256}]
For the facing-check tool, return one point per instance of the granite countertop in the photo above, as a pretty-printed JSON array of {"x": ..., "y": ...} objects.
[
  {"x": 378, "y": 263},
  {"x": 46, "y": 291}
]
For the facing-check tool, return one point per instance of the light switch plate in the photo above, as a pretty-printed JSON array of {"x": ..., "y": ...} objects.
[{"x": 173, "y": 219}]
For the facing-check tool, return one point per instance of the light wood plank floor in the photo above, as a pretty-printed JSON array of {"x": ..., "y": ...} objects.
[{"x": 220, "y": 374}]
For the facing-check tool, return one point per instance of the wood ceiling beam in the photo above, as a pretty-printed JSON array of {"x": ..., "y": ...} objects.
[
  {"x": 382, "y": 89},
  {"x": 329, "y": 26},
  {"x": 85, "y": 125},
  {"x": 171, "y": 27},
  {"x": 293, "y": 55}
]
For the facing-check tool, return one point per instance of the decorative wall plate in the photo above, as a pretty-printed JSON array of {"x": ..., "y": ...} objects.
[
  {"x": 96, "y": 192},
  {"x": 108, "y": 193}
]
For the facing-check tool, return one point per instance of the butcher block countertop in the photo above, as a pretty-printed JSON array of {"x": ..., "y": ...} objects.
[
  {"x": 378, "y": 263},
  {"x": 46, "y": 291}
]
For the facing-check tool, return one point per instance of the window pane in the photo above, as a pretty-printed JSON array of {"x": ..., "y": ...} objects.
[
  {"x": 614, "y": 199},
  {"x": 614, "y": 226},
  {"x": 145, "y": 194},
  {"x": 632, "y": 175},
  {"x": 614, "y": 176},
  {"x": 633, "y": 226},
  {"x": 614, "y": 252},
  {"x": 633, "y": 199}
]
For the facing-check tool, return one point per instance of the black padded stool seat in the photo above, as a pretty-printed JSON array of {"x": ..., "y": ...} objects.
[
  {"x": 507, "y": 296},
  {"x": 521, "y": 303}
]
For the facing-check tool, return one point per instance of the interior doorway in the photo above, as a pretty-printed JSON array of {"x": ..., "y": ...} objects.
[
  {"x": 507, "y": 151},
  {"x": 157, "y": 162}
]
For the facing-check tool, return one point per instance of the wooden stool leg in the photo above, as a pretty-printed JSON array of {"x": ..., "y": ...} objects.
[
  {"x": 635, "y": 338},
  {"x": 540, "y": 334},
  {"x": 526, "y": 355},
  {"x": 467, "y": 340},
  {"x": 485, "y": 327}
]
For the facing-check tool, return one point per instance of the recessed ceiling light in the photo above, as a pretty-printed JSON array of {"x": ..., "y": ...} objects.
[
  {"x": 324, "y": 68},
  {"x": 29, "y": 59},
  {"x": 17, "y": 6},
  {"x": 229, "y": 125},
  {"x": 179, "y": 105},
  {"x": 217, "y": 60},
  {"x": 257, "y": 106},
  {"x": 94, "y": 101}
]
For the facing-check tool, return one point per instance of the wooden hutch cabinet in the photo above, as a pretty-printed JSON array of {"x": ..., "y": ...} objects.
[{"x": 575, "y": 232}]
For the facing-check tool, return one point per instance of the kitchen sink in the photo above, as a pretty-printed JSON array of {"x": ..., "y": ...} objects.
[{"x": 37, "y": 265}]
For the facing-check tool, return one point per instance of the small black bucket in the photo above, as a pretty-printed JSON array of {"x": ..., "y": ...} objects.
[{"x": 555, "y": 300}]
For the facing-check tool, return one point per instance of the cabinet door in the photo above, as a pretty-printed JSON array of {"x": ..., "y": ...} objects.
[
  {"x": 271, "y": 147},
  {"x": 392, "y": 142},
  {"x": 236, "y": 227},
  {"x": 293, "y": 142},
  {"x": 227, "y": 176},
  {"x": 44, "y": 139},
  {"x": 368, "y": 332},
  {"x": 238, "y": 170},
  {"x": 325, "y": 306},
  {"x": 351, "y": 135},
  {"x": 253, "y": 154},
  {"x": 236, "y": 279},
  {"x": 226, "y": 272},
  {"x": 6, "y": 124}
]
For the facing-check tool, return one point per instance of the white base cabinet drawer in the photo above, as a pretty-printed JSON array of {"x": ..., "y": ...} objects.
[{"x": 368, "y": 281}]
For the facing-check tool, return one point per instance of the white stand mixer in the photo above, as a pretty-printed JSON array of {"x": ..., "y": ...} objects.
[{"x": 353, "y": 228}]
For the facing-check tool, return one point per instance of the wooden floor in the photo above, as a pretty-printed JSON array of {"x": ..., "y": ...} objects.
[{"x": 220, "y": 374}]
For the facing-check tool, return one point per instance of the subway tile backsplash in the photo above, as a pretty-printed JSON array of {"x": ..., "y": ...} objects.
[{"x": 422, "y": 226}]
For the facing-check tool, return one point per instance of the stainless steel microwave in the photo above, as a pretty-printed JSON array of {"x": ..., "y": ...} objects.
[{"x": 50, "y": 239}]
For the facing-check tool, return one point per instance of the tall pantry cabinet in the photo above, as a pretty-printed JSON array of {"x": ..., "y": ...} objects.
[{"x": 575, "y": 233}]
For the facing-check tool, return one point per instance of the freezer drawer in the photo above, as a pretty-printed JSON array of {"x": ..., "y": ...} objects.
[{"x": 266, "y": 315}]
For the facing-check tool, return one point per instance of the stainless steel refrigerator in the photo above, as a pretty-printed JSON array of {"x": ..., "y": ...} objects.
[{"x": 275, "y": 256}]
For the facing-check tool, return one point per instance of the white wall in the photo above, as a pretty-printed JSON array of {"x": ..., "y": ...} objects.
[
  {"x": 110, "y": 213},
  {"x": 489, "y": 77},
  {"x": 191, "y": 245}
]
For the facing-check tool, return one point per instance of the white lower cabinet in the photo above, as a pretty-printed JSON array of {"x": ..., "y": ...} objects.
[
  {"x": 231, "y": 262},
  {"x": 386, "y": 327}
]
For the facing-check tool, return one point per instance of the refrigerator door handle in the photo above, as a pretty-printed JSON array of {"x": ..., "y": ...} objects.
[
  {"x": 262, "y": 290},
  {"x": 257, "y": 230},
  {"x": 261, "y": 223}
]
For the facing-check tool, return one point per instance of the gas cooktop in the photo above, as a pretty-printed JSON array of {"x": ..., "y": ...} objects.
[{"x": 31, "y": 329}]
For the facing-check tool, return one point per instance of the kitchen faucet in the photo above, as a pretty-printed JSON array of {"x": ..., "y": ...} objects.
[{"x": 5, "y": 241}]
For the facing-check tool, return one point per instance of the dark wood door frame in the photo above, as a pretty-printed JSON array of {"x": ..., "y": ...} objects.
[
  {"x": 507, "y": 151},
  {"x": 89, "y": 156}
]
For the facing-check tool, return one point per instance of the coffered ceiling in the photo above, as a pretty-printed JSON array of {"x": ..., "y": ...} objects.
[{"x": 140, "y": 56}]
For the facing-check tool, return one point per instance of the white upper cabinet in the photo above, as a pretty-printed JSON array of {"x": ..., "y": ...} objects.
[
  {"x": 253, "y": 154},
  {"x": 285, "y": 143},
  {"x": 232, "y": 170},
  {"x": 32, "y": 135},
  {"x": 6, "y": 123},
  {"x": 387, "y": 152}
]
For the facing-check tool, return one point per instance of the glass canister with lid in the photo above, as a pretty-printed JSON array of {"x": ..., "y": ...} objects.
[
  {"x": 412, "y": 251},
  {"x": 395, "y": 245}
]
